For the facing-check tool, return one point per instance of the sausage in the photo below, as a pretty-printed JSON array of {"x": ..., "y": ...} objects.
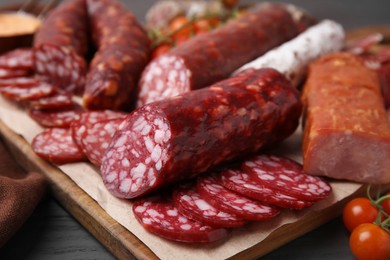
[
  {"x": 293, "y": 57},
  {"x": 55, "y": 101},
  {"x": 213, "y": 56},
  {"x": 346, "y": 129},
  {"x": 180, "y": 137},
  {"x": 61, "y": 45},
  {"x": 28, "y": 93},
  {"x": 122, "y": 53},
  {"x": 18, "y": 59},
  {"x": 56, "y": 117}
]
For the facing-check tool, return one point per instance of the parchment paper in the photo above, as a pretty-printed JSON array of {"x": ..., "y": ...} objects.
[{"x": 87, "y": 177}]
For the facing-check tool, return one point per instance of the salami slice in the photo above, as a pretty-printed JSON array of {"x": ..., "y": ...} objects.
[
  {"x": 6, "y": 73},
  {"x": 57, "y": 146},
  {"x": 56, "y": 117},
  {"x": 19, "y": 82},
  {"x": 181, "y": 137},
  {"x": 57, "y": 101},
  {"x": 95, "y": 139},
  {"x": 213, "y": 56},
  {"x": 159, "y": 216},
  {"x": 217, "y": 195},
  {"x": 189, "y": 202},
  {"x": 28, "y": 93},
  {"x": 286, "y": 176},
  {"x": 18, "y": 59},
  {"x": 243, "y": 183},
  {"x": 87, "y": 119}
]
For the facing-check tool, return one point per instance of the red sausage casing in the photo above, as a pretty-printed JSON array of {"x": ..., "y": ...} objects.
[
  {"x": 178, "y": 138},
  {"x": 346, "y": 131}
]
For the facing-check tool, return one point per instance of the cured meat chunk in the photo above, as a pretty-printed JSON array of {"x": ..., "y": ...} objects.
[
  {"x": 293, "y": 57},
  {"x": 18, "y": 59},
  {"x": 57, "y": 146},
  {"x": 287, "y": 177},
  {"x": 87, "y": 119},
  {"x": 28, "y": 93},
  {"x": 159, "y": 216},
  {"x": 95, "y": 139},
  {"x": 62, "y": 117},
  {"x": 178, "y": 138},
  {"x": 213, "y": 192},
  {"x": 122, "y": 53},
  {"x": 346, "y": 130},
  {"x": 244, "y": 183},
  {"x": 213, "y": 56},
  {"x": 189, "y": 202},
  {"x": 60, "y": 45}
]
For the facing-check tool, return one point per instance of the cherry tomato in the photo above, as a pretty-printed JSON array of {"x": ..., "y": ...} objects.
[
  {"x": 369, "y": 241},
  {"x": 183, "y": 27},
  {"x": 359, "y": 211},
  {"x": 161, "y": 49},
  {"x": 386, "y": 205}
]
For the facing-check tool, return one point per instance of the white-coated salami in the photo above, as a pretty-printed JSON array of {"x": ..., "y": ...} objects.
[
  {"x": 286, "y": 176},
  {"x": 212, "y": 191},
  {"x": 293, "y": 57},
  {"x": 159, "y": 216},
  {"x": 190, "y": 203}
]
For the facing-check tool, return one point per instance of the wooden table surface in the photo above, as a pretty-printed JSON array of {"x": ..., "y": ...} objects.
[{"x": 52, "y": 233}]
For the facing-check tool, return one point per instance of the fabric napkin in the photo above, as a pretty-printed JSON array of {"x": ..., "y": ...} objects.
[{"x": 20, "y": 192}]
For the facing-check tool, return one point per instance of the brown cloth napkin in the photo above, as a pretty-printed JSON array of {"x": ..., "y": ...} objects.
[{"x": 20, "y": 192}]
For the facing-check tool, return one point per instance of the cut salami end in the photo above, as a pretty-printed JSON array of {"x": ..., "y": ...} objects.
[
  {"x": 56, "y": 117},
  {"x": 217, "y": 195},
  {"x": 161, "y": 217},
  {"x": 60, "y": 66},
  {"x": 57, "y": 146},
  {"x": 190, "y": 203},
  {"x": 28, "y": 93},
  {"x": 243, "y": 183},
  {"x": 18, "y": 59},
  {"x": 287, "y": 177},
  {"x": 95, "y": 139}
]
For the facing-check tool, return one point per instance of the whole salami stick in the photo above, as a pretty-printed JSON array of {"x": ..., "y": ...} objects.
[
  {"x": 61, "y": 43},
  {"x": 181, "y": 137},
  {"x": 123, "y": 52},
  {"x": 213, "y": 56},
  {"x": 346, "y": 131}
]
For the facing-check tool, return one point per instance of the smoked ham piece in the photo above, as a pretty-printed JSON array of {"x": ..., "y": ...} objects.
[{"x": 346, "y": 129}]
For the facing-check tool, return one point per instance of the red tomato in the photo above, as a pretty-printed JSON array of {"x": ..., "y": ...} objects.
[
  {"x": 359, "y": 211},
  {"x": 182, "y": 26},
  {"x": 369, "y": 241},
  {"x": 386, "y": 205},
  {"x": 161, "y": 49}
]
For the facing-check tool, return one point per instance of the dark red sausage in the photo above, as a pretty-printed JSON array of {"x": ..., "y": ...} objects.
[
  {"x": 213, "y": 56},
  {"x": 61, "y": 43},
  {"x": 180, "y": 137},
  {"x": 123, "y": 52}
]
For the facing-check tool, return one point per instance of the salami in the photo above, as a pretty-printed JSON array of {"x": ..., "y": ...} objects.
[
  {"x": 123, "y": 52},
  {"x": 60, "y": 45},
  {"x": 213, "y": 56},
  {"x": 22, "y": 93},
  {"x": 18, "y": 59},
  {"x": 56, "y": 101},
  {"x": 61, "y": 117},
  {"x": 212, "y": 191},
  {"x": 354, "y": 139},
  {"x": 57, "y": 146},
  {"x": 159, "y": 216},
  {"x": 180, "y": 137},
  {"x": 189, "y": 203},
  {"x": 243, "y": 183},
  {"x": 292, "y": 57},
  {"x": 6, "y": 73},
  {"x": 287, "y": 177},
  {"x": 19, "y": 82},
  {"x": 94, "y": 140}
]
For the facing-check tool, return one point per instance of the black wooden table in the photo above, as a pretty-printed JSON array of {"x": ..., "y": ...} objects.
[{"x": 52, "y": 233}]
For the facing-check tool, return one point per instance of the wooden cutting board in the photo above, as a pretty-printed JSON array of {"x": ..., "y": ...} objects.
[{"x": 121, "y": 242}]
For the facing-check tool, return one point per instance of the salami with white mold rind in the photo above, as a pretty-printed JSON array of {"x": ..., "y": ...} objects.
[
  {"x": 213, "y": 56},
  {"x": 179, "y": 138},
  {"x": 158, "y": 215}
]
